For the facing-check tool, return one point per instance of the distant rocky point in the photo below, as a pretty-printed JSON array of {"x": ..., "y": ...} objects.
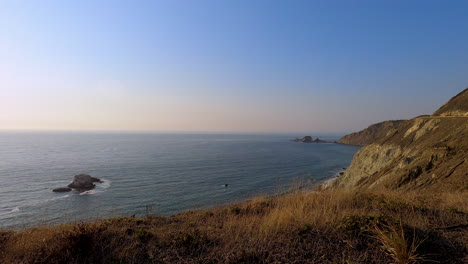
[
  {"x": 371, "y": 133},
  {"x": 309, "y": 139},
  {"x": 454, "y": 108},
  {"x": 81, "y": 183}
]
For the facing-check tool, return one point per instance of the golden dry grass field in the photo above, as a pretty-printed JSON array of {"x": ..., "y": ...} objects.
[{"x": 298, "y": 227}]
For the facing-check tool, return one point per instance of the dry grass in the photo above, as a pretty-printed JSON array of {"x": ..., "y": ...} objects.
[
  {"x": 397, "y": 244},
  {"x": 299, "y": 227}
]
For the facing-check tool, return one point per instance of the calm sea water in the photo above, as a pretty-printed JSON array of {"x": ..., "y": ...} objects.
[{"x": 170, "y": 172}]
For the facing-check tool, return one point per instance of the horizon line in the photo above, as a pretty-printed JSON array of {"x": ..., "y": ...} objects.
[{"x": 171, "y": 131}]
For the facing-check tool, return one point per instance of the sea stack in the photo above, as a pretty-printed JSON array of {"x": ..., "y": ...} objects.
[
  {"x": 309, "y": 139},
  {"x": 83, "y": 182}
]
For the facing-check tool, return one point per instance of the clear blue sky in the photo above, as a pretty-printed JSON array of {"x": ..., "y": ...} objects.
[{"x": 241, "y": 66}]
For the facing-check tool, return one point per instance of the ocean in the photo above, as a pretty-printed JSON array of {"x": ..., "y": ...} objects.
[{"x": 155, "y": 173}]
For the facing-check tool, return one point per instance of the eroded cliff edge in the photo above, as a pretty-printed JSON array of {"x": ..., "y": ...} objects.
[{"x": 423, "y": 153}]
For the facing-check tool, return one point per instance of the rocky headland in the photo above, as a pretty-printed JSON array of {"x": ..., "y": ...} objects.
[
  {"x": 371, "y": 133},
  {"x": 427, "y": 153}
]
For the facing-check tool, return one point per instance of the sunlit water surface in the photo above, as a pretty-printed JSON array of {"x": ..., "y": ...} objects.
[{"x": 169, "y": 172}]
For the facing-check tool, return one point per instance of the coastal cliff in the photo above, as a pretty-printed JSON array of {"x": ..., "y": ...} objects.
[
  {"x": 371, "y": 133},
  {"x": 423, "y": 153},
  {"x": 379, "y": 212}
]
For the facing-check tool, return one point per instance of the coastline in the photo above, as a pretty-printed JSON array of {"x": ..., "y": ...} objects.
[
  {"x": 295, "y": 186},
  {"x": 173, "y": 173}
]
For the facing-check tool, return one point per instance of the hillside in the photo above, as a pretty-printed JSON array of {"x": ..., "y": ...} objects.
[
  {"x": 457, "y": 106},
  {"x": 369, "y": 134},
  {"x": 424, "y": 153},
  {"x": 299, "y": 227}
]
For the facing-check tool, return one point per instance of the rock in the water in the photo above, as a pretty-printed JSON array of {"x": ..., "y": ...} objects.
[
  {"x": 83, "y": 182},
  {"x": 309, "y": 139},
  {"x": 64, "y": 189}
]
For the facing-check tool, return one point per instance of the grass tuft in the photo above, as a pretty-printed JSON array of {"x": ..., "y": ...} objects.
[{"x": 394, "y": 240}]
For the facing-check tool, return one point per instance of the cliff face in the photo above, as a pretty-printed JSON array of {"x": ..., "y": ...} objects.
[
  {"x": 371, "y": 133},
  {"x": 424, "y": 153}
]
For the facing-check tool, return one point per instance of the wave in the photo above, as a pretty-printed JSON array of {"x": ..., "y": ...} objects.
[
  {"x": 56, "y": 198},
  {"x": 105, "y": 184},
  {"x": 101, "y": 187},
  {"x": 90, "y": 192},
  {"x": 339, "y": 173},
  {"x": 13, "y": 210}
]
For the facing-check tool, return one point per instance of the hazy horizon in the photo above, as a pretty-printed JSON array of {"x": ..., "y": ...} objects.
[
  {"x": 227, "y": 67},
  {"x": 180, "y": 132}
]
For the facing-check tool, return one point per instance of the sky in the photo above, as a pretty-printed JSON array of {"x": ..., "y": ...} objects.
[{"x": 227, "y": 66}]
